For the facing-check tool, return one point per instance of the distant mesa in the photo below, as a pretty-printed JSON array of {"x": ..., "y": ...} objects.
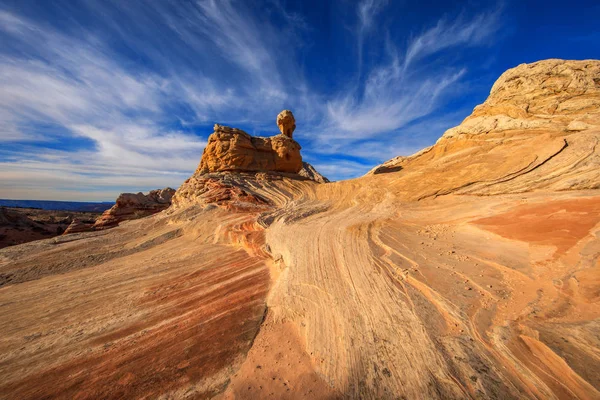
[{"x": 135, "y": 205}]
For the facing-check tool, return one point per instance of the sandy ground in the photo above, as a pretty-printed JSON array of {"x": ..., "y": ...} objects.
[{"x": 278, "y": 367}]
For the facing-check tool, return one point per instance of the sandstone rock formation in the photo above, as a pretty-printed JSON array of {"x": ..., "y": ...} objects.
[
  {"x": 231, "y": 149},
  {"x": 77, "y": 226},
  {"x": 22, "y": 225},
  {"x": 539, "y": 129},
  {"x": 286, "y": 123},
  {"x": 308, "y": 171},
  {"x": 135, "y": 205},
  {"x": 549, "y": 94},
  {"x": 17, "y": 228},
  {"x": 392, "y": 165},
  {"x": 468, "y": 270}
]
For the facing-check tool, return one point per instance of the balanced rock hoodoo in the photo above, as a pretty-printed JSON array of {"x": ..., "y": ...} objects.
[
  {"x": 231, "y": 149},
  {"x": 286, "y": 123}
]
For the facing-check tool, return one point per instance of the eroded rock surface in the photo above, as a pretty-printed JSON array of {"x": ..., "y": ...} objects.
[
  {"x": 308, "y": 171},
  {"x": 78, "y": 226},
  {"x": 549, "y": 94},
  {"x": 539, "y": 129},
  {"x": 22, "y": 225},
  {"x": 135, "y": 205},
  {"x": 470, "y": 272},
  {"x": 286, "y": 123},
  {"x": 231, "y": 149}
]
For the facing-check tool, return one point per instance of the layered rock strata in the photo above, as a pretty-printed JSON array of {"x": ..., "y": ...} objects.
[
  {"x": 310, "y": 172},
  {"x": 78, "y": 226},
  {"x": 545, "y": 95},
  {"x": 231, "y": 149},
  {"x": 539, "y": 129},
  {"x": 135, "y": 205},
  {"x": 470, "y": 272}
]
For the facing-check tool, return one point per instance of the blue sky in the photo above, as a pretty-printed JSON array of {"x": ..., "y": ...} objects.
[{"x": 103, "y": 97}]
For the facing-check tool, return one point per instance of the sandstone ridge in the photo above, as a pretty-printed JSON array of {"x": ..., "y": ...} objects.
[
  {"x": 310, "y": 172},
  {"x": 538, "y": 129},
  {"x": 133, "y": 206},
  {"x": 549, "y": 94}
]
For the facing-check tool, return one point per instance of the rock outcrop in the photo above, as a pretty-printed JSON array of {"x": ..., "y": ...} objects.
[
  {"x": 549, "y": 94},
  {"x": 286, "y": 123},
  {"x": 134, "y": 206},
  {"x": 22, "y": 225},
  {"x": 78, "y": 226},
  {"x": 539, "y": 129},
  {"x": 308, "y": 171},
  {"x": 231, "y": 149},
  {"x": 469, "y": 270},
  {"x": 233, "y": 158},
  {"x": 392, "y": 165},
  {"x": 16, "y": 228}
]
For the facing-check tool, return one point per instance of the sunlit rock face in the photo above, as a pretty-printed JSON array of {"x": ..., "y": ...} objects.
[
  {"x": 231, "y": 149},
  {"x": 134, "y": 206},
  {"x": 77, "y": 226},
  {"x": 548, "y": 94},
  {"x": 467, "y": 270},
  {"x": 538, "y": 129},
  {"x": 286, "y": 123},
  {"x": 308, "y": 171}
]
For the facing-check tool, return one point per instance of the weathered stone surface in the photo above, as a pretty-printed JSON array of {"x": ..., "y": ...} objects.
[
  {"x": 231, "y": 149},
  {"x": 77, "y": 226},
  {"x": 134, "y": 206},
  {"x": 474, "y": 292},
  {"x": 548, "y": 94},
  {"x": 539, "y": 129},
  {"x": 286, "y": 123},
  {"x": 308, "y": 171},
  {"x": 392, "y": 165}
]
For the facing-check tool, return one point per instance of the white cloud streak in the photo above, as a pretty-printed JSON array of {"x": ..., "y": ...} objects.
[
  {"x": 447, "y": 34},
  {"x": 82, "y": 86},
  {"x": 403, "y": 90},
  {"x": 243, "y": 70}
]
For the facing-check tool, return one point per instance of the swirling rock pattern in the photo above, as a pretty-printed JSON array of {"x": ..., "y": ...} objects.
[{"x": 472, "y": 271}]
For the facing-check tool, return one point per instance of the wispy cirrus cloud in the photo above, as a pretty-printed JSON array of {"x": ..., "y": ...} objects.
[
  {"x": 122, "y": 95},
  {"x": 78, "y": 85},
  {"x": 406, "y": 87},
  {"x": 139, "y": 121},
  {"x": 367, "y": 11},
  {"x": 447, "y": 34}
]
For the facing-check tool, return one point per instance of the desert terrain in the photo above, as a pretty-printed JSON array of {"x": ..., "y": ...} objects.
[
  {"x": 22, "y": 225},
  {"x": 468, "y": 270}
]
